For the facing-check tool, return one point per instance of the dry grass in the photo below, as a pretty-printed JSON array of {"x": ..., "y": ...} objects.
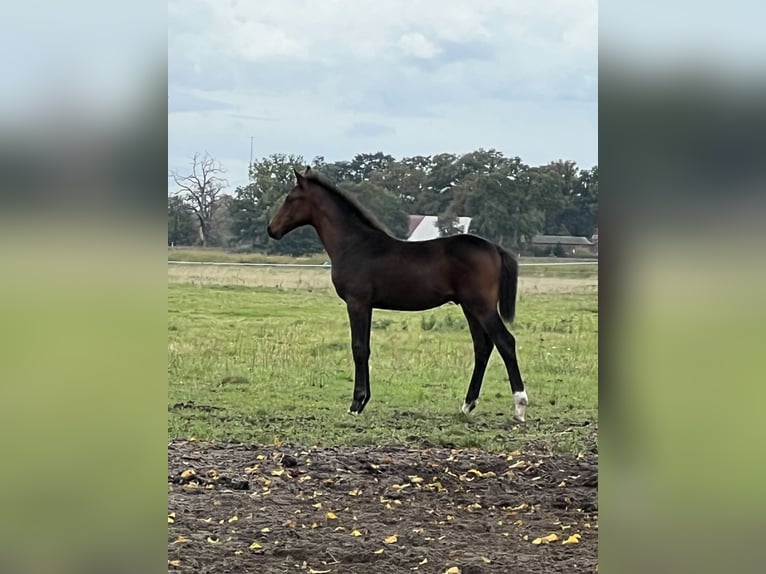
[{"x": 319, "y": 279}]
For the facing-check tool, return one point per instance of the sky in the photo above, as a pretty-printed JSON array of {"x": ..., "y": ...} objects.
[{"x": 414, "y": 77}]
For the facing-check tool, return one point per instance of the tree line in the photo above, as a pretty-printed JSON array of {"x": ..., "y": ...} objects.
[{"x": 509, "y": 202}]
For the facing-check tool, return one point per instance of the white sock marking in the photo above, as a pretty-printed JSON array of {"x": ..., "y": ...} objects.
[{"x": 521, "y": 401}]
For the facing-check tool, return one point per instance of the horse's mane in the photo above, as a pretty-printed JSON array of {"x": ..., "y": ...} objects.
[{"x": 347, "y": 201}]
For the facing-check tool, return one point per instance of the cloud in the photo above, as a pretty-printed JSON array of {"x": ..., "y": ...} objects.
[
  {"x": 416, "y": 45},
  {"x": 405, "y": 76},
  {"x": 369, "y": 130}
]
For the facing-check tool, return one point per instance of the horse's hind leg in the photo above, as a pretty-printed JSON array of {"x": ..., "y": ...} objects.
[
  {"x": 482, "y": 349},
  {"x": 506, "y": 345}
]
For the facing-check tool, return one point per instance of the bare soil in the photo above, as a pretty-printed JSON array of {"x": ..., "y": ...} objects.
[{"x": 242, "y": 508}]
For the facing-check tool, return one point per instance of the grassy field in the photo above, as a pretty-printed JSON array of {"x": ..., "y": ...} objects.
[{"x": 263, "y": 355}]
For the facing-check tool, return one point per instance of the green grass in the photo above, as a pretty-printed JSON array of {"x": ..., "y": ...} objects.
[{"x": 255, "y": 364}]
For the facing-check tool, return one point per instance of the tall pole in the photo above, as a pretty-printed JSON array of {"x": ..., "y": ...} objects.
[{"x": 251, "y": 150}]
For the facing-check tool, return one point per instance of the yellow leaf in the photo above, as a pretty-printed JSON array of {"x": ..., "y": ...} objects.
[
  {"x": 379, "y": 551},
  {"x": 312, "y": 571},
  {"x": 188, "y": 473},
  {"x": 213, "y": 540},
  {"x": 279, "y": 472},
  {"x": 415, "y": 479},
  {"x": 255, "y": 546},
  {"x": 355, "y": 492},
  {"x": 355, "y": 533},
  {"x": 171, "y": 518},
  {"x": 331, "y": 516},
  {"x": 562, "y": 484},
  {"x": 237, "y": 552},
  {"x": 485, "y": 560},
  {"x": 176, "y": 563},
  {"x": 266, "y": 530},
  {"x": 233, "y": 519},
  {"x": 339, "y": 529},
  {"x": 424, "y": 561},
  {"x": 453, "y": 570},
  {"x": 277, "y": 442},
  {"x": 391, "y": 539},
  {"x": 260, "y": 457},
  {"x": 180, "y": 540},
  {"x": 318, "y": 505},
  {"x": 314, "y": 525},
  {"x": 574, "y": 539},
  {"x": 546, "y": 539},
  {"x": 213, "y": 473}
]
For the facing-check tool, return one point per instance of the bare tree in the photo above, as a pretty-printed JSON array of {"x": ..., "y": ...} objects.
[{"x": 200, "y": 191}]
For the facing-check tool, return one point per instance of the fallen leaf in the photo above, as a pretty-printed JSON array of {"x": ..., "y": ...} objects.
[
  {"x": 380, "y": 551},
  {"x": 574, "y": 539},
  {"x": 331, "y": 516},
  {"x": 255, "y": 546},
  {"x": 212, "y": 540},
  {"x": 453, "y": 570},
  {"x": 266, "y": 530},
  {"x": 292, "y": 523},
  {"x": 354, "y": 492},
  {"x": 233, "y": 519},
  {"x": 171, "y": 518},
  {"x": 391, "y": 539},
  {"x": 546, "y": 539},
  {"x": 237, "y": 552},
  {"x": 562, "y": 484},
  {"x": 180, "y": 540},
  {"x": 312, "y": 571},
  {"x": 355, "y": 533},
  {"x": 188, "y": 473},
  {"x": 278, "y": 472},
  {"x": 175, "y": 563},
  {"x": 318, "y": 505},
  {"x": 277, "y": 442},
  {"x": 260, "y": 457},
  {"x": 424, "y": 561},
  {"x": 485, "y": 560},
  {"x": 415, "y": 479},
  {"x": 314, "y": 525}
]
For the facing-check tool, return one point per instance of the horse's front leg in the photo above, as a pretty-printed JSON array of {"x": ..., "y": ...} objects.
[{"x": 360, "y": 317}]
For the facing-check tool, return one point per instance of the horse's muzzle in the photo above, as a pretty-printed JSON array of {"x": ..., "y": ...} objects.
[{"x": 271, "y": 233}]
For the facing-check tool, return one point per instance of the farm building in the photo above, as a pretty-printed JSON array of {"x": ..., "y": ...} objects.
[
  {"x": 424, "y": 227},
  {"x": 569, "y": 243}
]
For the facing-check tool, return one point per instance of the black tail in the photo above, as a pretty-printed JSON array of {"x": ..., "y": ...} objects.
[{"x": 509, "y": 279}]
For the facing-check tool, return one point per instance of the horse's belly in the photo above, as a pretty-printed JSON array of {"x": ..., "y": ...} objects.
[{"x": 411, "y": 300}]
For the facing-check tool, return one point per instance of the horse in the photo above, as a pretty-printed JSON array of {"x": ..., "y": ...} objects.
[{"x": 372, "y": 269}]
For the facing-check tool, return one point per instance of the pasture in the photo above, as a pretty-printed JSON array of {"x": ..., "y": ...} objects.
[{"x": 260, "y": 377}]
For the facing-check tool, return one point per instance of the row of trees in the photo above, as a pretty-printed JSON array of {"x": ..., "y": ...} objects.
[{"x": 509, "y": 201}]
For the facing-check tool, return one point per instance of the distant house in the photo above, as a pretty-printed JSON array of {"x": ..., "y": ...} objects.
[
  {"x": 570, "y": 244},
  {"x": 425, "y": 227}
]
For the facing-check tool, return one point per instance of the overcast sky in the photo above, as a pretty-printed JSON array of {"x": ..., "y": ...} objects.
[{"x": 406, "y": 77}]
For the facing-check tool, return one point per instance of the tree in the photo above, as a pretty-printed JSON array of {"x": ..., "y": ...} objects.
[
  {"x": 200, "y": 191},
  {"x": 383, "y": 204},
  {"x": 271, "y": 178},
  {"x": 182, "y": 229}
]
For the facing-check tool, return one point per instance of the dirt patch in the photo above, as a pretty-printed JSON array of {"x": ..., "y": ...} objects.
[{"x": 240, "y": 508}]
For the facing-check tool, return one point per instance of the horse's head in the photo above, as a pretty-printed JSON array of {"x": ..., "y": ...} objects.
[{"x": 296, "y": 209}]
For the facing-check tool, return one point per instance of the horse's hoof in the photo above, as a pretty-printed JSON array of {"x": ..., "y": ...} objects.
[
  {"x": 353, "y": 413},
  {"x": 519, "y": 419},
  {"x": 468, "y": 407}
]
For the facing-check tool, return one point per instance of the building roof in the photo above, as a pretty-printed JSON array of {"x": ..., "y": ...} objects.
[
  {"x": 424, "y": 227},
  {"x": 563, "y": 239}
]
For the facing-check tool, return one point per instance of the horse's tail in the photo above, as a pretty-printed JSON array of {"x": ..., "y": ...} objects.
[{"x": 509, "y": 279}]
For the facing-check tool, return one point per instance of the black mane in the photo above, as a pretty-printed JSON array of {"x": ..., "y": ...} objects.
[{"x": 347, "y": 201}]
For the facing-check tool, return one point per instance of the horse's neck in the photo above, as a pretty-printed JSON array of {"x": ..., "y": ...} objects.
[{"x": 338, "y": 230}]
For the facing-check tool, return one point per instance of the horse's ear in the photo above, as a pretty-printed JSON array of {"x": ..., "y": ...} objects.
[
  {"x": 298, "y": 177},
  {"x": 308, "y": 169}
]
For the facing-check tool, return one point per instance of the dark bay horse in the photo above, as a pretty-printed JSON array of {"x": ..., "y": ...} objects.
[{"x": 371, "y": 269}]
